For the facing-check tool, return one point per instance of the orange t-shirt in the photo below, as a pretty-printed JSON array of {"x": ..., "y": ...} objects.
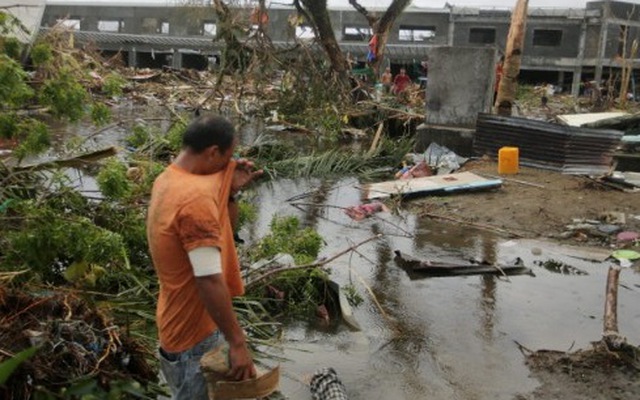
[{"x": 188, "y": 211}]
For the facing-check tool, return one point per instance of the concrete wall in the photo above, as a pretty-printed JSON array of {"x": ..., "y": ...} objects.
[
  {"x": 592, "y": 41},
  {"x": 456, "y": 95},
  {"x": 452, "y": 27},
  {"x": 619, "y": 9},
  {"x": 569, "y": 44}
]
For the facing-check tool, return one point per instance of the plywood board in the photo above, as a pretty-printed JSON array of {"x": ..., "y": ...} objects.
[
  {"x": 441, "y": 183},
  {"x": 582, "y": 119}
]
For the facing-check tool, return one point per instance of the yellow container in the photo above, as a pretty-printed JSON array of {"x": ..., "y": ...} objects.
[{"x": 508, "y": 162}]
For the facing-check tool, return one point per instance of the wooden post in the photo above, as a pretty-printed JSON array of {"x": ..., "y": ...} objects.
[
  {"x": 610, "y": 335},
  {"x": 513, "y": 58}
]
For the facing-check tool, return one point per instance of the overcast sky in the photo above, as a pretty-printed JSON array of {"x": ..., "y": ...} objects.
[
  {"x": 369, "y": 3},
  {"x": 478, "y": 3}
]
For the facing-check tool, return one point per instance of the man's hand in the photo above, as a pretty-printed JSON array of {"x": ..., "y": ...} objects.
[
  {"x": 242, "y": 367},
  {"x": 243, "y": 174}
]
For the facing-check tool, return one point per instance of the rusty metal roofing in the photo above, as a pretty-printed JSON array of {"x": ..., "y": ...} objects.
[{"x": 571, "y": 150}]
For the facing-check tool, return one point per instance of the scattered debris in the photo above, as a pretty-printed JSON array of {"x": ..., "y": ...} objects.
[
  {"x": 436, "y": 160},
  {"x": 609, "y": 228},
  {"x": 625, "y": 255},
  {"x": 363, "y": 211},
  {"x": 554, "y": 250},
  {"x": 627, "y": 236},
  {"x": 420, "y": 170},
  {"x": 560, "y": 267},
  {"x": 77, "y": 344},
  {"x": 629, "y": 179}
]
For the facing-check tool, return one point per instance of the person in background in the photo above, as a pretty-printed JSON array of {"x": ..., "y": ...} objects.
[
  {"x": 190, "y": 236},
  {"x": 499, "y": 73},
  {"x": 386, "y": 80},
  {"x": 401, "y": 82}
]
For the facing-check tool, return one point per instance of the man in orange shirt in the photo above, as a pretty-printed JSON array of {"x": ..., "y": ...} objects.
[{"x": 193, "y": 252}]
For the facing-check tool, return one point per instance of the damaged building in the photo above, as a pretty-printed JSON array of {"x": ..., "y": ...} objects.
[{"x": 563, "y": 46}]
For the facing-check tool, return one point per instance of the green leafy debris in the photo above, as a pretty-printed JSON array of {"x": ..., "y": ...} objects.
[
  {"x": 113, "y": 181},
  {"x": 100, "y": 114},
  {"x": 113, "y": 85},
  {"x": 287, "y": 236},
  {"x": 64, "y": 95},
  {"x": 14, "y": 91},
  {"x": 41, "y": 54}
]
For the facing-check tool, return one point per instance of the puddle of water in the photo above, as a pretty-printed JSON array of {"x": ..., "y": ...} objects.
[
  {"x": 438, "y": 338},
  {"x": 441, "y": 338}
]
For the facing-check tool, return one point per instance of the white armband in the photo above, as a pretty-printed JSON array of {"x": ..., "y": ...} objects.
[{"x": 206, "y": 261}]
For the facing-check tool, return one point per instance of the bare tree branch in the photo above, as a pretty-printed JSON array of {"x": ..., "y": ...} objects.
[{"x": 370, "y": 18}]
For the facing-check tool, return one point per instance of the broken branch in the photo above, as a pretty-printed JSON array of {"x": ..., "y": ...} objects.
[{"x": 312, "y": 265}]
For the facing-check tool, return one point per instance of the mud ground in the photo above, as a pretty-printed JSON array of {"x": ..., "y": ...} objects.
[
  {"x": 532, "y": 211},
  {"x": 595, "y": 374},
  {"x": 525, "y": 210}
]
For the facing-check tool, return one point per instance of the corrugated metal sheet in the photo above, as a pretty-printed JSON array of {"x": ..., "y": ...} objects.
[
  {"x": 163, "y": 41},
  {"x": 571, "y": 150},
  {"x": 399, "y": 52}
]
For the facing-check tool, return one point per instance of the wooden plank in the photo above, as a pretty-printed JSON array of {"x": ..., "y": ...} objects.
[
  {"x": 345, "y": 307},
  {"x": 590, "y": 118},
  {"x": 72, "y": 162},
  {"x": 441, "y": 269},
  {"x": 441, "y": 183},
  {"x": 462, "y": 270}
]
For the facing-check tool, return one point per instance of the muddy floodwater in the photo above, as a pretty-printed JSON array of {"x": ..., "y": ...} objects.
[
  {"x": 439, "y": 338},
  {"x": 429, "y": 338}
]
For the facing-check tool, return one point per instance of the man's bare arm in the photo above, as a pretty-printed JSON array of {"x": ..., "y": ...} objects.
[{"x": 214, "y": 294}]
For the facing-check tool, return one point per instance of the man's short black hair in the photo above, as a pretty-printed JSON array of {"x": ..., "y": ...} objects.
[{"x": 206, "y": 131}]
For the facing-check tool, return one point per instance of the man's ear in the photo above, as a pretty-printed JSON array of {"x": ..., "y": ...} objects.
[{"x": 213, "y": 151}]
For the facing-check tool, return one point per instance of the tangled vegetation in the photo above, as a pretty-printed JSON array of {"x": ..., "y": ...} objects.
[
  {"x": 87, "y": 326},
  {"x": 76, "y": 350},
  {"x": 287, "y": 236},
  {"x": 55, "y": 84}
]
